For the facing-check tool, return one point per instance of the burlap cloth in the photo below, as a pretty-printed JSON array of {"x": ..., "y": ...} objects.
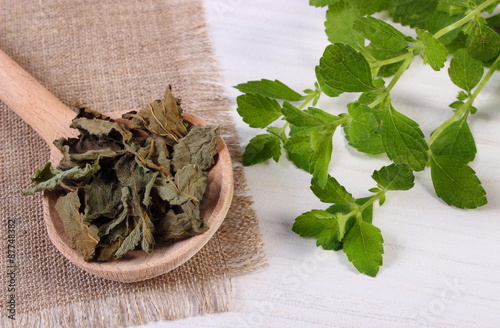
[{"x": 112, "y": 55}]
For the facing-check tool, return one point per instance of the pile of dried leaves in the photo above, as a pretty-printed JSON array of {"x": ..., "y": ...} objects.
[{"x": 130, "y": 185}]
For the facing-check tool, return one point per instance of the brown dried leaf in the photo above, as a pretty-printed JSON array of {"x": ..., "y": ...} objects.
[{"x": 84, "y": 237}]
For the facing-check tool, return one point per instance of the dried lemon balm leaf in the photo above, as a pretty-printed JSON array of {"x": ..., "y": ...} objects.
[{"x": 131, "y": 186}]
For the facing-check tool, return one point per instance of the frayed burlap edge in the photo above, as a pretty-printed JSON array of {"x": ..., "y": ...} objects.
[{"x": 174, "y": 302}]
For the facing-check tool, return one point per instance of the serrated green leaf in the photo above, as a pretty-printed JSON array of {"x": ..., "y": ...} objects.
[
  {"x": 321, "y": 153},
  {"x": 321, "y": 225},
  {"x": 439, "y": 20},
  {"x": 432, "y": 51},
  {"x": 271, "y": 89},
  {"x": 410, "y": 12},
  {"x": 258, "y": 111},
  {"x": 326, "y": 89},
  {"x": 394, "y": 177},
  {"x": 297, "y": 117},
  {"x": 261, "y": 148},
  {"x": 368, "y": 7},
  {"x": 453, "y": 7},
  {"x": 403, "y": 140},
  {"x": 332, "y": 192},
  {"x": 456, "y": 140},
  {"x": 363, "y": 245},
  {"x": 310, "y": 147},
  {"x": 364, "y": 131},
  {"x": 343, "y": 68},
  {"x": 381, "y": 33},
  {"x": 465, "y": 71},
  {"x": 278, "y": 132},
  {"x": 456, "y": 183},
  {"x": 339, "y": 23},
  {"x": 322, "y": 3},
  {"x": 298, "y": 147},
  {"x": 483, "y": 43},
  {"x": 321, "y": 114}
]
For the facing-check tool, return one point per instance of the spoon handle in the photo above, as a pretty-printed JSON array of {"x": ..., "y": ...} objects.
[{"x": 46, "y": 114}]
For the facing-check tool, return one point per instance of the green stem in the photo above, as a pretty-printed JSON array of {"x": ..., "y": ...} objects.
[
  {"x": 394, "y": 80},
  {"x": 360, "y": 208},
  {"x": 307, "y": 100},
  {"x": 466, "y": 107},
  {"x": 467, "y": 18},
  {"x": 390, "y": 61}
]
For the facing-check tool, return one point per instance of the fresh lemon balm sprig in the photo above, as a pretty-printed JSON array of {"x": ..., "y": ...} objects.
[{"x": 368, "y": 56}]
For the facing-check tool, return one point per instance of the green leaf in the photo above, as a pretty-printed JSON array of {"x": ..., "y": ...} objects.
[
  {"x": 343, "y": 68},
  {"x": 403, "y": 140},
  {"x": 321, "y": 153},
  {"x": 410, "y": 12},
  {"x": 483, "y": 43},
  {"x": 456, "y": 183},
  {"x": 332, "y": 192},
  {"x": 258, "y": 111},
  {"x": 439, "y": 20},
  {"x": 326, "y": 89},
  {"x": 321, "y": 225},
  {"x": 261, "y": 148},
  {"x": 56, "y": 177},
  {"x": 456, "y": 140},
  {"x": 394, "y": 177},
  {"x": 381, "y": 33},
  {"x": 363, "y": 245},
  {"x": 368, "y": 7},
  {"x": 339, "y": 24},
  {"x": 300, "y": 148},
  {"x": 84, "y": 237},
  {"x": 364, "y": 131},
  {"x": 322, "y": 3},
  {"x": 432, "y": 51},
  {"x": 297, "y": 117},
  {"x": 465, "y": 71},
  {"x": 271, "y": 89}
]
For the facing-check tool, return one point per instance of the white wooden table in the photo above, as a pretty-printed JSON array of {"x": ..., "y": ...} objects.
[{"x": 441, "y": 265}]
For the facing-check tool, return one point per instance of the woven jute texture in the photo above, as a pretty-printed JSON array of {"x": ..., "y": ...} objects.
[{"x": 111, "y": 55}]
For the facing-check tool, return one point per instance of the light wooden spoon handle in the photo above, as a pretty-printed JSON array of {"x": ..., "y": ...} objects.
[{"x": 46, "y": 114}]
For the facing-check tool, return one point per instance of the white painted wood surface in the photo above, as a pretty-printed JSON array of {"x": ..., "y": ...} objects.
[{"x": 441, "y": 265}]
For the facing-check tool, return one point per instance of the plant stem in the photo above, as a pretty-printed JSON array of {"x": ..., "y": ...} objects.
[
  {"x": 466, "y": 107},
  {"x": 394, "y": 80},
  {"x": 467, "y": 18},
  {"x": 360, "y": 208},
  {"x": 394, "y": 60}
]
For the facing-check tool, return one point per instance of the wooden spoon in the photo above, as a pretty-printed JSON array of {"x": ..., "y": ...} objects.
[{"x": 50, "y": 118}]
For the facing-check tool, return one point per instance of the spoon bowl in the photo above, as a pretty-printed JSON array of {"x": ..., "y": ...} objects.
[{"x": 51, "y": 119}]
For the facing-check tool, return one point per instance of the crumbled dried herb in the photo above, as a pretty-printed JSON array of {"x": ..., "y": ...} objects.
[{"x": 129, "y": 186}]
